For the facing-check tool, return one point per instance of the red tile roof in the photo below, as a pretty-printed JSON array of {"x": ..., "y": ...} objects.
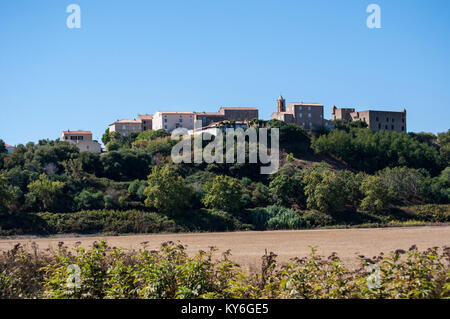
[
  {"x": 176, "y": 112},
  {"x": 145, "y": 117},
  {"x": 127, "y": 121},
  {"x": 77, "y": 132},
  {"x": 9, "y": 146}
]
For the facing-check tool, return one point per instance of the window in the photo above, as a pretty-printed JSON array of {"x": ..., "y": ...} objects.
[
  {"x": 386, "y": 127},
  {"x": 403, "y": 128},
  {"x": 303, "y": 124},
  {"x": 309, "y": 114},
  {"x": 87, "y": 147},
  {"x": 387, "y": 119},
  {"x": 300, "y": 108},
  {"x": 180, "y": 120},
  {"x": 393, "y": 120},
  {"x": 376, "y": 119},
  {"x": 403, "y": 120},
  {"x": 310, "y": 124},
  {"x": 309, "y": 108},
  {"x": 165, "y": 120},
  {"x": 379, "y": 126},
  {"x": 301, "y": 115},
  {"x": 165, "y": 126},
  {"x": 392, "y": 127}
]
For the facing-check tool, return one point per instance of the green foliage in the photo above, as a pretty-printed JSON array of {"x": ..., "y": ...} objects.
[
  {"x": 287, "y": 190},
  {"x": 377, "y": 197},
  {"x": 3, "y": 147},
  {"x": 152, "y": 135},
  {"x": 443, "y": 140},
  {"x": 223, "y": 193},
  {"x": 5, "y": 195},
  {"x": 45, "y": 193},
  {"x": 89, "y": 199},
  {"x": 370, "y": 152},
  {"x": 404, "y": 183},
  {"x": 166, "y": 190},
  {"x": 286, "y": 218},
  {"x": 170, "y": 273},
  {"x": 325, "y": 191}
]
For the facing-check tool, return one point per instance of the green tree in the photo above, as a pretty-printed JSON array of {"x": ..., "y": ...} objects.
[
  {"x": 325, "y": 191},
  {"x": 89, "y": 199},
  {"x": 166, "y": 190},
  {"x": 5, "y": 195},
  {"x": 152, "y": 134},
  {"x": 3, "y": 147},
  {"x": 45, "y": 193},
  {"x": 405, "y": 184},
  {"x": 377, "y": 196},
  {"x": 287, "y": 190},
  {"x": 443, "y": 140},
  {"x": 223, "y": 193}
]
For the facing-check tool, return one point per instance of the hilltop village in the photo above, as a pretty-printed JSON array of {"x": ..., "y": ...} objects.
[{"x": 308, "y": 115}]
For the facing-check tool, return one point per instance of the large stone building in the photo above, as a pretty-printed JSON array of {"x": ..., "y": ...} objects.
[
  {"x": 126, "y": 127},
  {"x": 83, "y": 140},
  {"x": 227, "y": 114},
  {"x": 170, "y": 120},
  {"x": 308, "y": 115},
  {"x": 376, "y": 120}
]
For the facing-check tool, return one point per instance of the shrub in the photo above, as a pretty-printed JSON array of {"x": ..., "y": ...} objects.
[
  {"x": 223, "y": 193},
  {"x": 166, "y": 190},
  {"x": 170, "y": 273},
  {"x": 286, "y": 219}
]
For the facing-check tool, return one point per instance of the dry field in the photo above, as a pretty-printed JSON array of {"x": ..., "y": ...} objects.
[{"x": 248, "y": 247}]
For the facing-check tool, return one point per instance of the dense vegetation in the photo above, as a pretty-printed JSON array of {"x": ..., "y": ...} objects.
[
  {"x": 105, "y": 272},
  {"x": 348, "y": 176}
]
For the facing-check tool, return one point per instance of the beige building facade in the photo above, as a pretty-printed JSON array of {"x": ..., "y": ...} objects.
[
  {"x": 83, "y": 140},
  {"x": 170, "y": 120},
  {"x": 126, "y": 127},
  {"x": 389, "y": 121}
]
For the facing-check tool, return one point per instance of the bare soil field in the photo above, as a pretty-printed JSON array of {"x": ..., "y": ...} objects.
[{"x": 248, "y": 247}]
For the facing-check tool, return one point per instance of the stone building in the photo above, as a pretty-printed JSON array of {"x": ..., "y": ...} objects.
[
  {"x": 126, "y": 127},
  {"x": 170, "y": 120},
  {"x": 227, "y": 114},
  {"x": 83, "y": 140},
  {"x": 376, "y": 120},
  {"x": 308, "y": 115}
]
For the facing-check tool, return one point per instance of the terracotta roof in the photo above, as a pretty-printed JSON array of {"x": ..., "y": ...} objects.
[
  {"x": 77, "y": 132},
  {"x": 176, "y": 112},
  {"x": 127, "y": 121},
  {"x": 145, "y": 117},
  {"x": 9, "y": 146}
]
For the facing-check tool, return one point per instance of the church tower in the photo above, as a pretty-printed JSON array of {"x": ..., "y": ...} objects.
[{"x": 281, "y": 104}]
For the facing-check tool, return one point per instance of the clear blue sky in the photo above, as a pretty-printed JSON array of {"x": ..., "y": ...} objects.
[{"x": 137, "y": 57}]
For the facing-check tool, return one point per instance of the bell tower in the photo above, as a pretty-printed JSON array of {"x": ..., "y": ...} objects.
[{"x": 281, "y": 104}]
